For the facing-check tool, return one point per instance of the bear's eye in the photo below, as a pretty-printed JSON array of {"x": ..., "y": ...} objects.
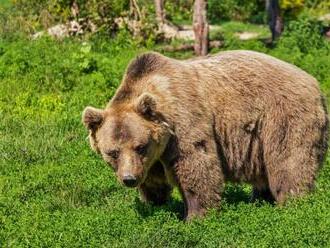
[
  {"x": 113, "y": 153},
  {"x": 141, "y": 149}
]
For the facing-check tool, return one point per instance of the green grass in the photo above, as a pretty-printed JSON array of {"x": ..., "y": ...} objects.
[
  {"x": 5, "y": 3},
  {"x": 55, "y": 192}
]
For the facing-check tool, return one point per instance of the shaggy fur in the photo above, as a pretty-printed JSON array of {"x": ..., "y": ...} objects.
[{"x": 237, "y": 116}]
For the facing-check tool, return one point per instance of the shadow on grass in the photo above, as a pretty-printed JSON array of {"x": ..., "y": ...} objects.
[
  {"x": 173, "y": 206},
  {"x": 236, "y": 194},
  {"x": 268, "y": 42},
  {"x": 233, "y": 195}
]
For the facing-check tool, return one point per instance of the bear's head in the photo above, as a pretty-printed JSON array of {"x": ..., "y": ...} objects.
[{"x": 129, "y": 136}]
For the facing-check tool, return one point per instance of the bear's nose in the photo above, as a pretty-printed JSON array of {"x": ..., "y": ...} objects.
[{"x": 129, "y": 181}]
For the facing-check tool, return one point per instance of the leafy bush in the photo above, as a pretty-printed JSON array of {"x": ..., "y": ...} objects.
[
  {"x": 100, "y": 12},
  {"x": 304, "y": 34},
  {"x": 27, "y": 17},
  {"x": 179, "y": 11},
  {"x": 23, "y": 18},
  {"x": 239, "y": 10},
  {"x": 291, "y": 4}
]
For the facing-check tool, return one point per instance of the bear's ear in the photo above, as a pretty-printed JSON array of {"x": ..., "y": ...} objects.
[
  {"x": 92, "y": 118},
  {"x": 147, "y": 106}
]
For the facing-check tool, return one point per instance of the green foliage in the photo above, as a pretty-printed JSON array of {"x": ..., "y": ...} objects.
[
  {"x": 291, "y": 4},
  {"x": 304, "y": 34},
  {"x": 29, "y": 16},
  {"x": 24, "y": 17},
  {"x": 99, "y": 11},
  {"x": 238, "y": 10},
  {"x": 325, "y": 4},
  {"x": 179, "y": 11},
  {"x": 317, "y": 9},
  {"x": 55, "y": 192}
]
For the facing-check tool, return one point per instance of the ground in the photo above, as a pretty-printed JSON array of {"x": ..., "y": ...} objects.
[{"x": 54, "y": 191}]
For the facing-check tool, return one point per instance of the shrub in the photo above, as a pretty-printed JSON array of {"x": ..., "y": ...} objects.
[
  {"x": 291, "y": 4},
  {"x": 304, "y": 34},
  {"x": 239, "y": 10},
  {"x": 29, "y": 16}
]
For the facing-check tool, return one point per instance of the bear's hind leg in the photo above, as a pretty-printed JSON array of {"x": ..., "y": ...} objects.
[
  {"x": 291, "y": 155},
  {"x": 293, "y": 177},
  {"x": 155, "y": 189},
  {"x": 282, "y": 186}
]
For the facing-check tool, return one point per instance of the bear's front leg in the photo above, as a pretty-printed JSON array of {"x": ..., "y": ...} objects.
[
  {"x": 262, "y": 194},
  {"x": 193, "y": 205},
  {"x": 155, "y": 189},
  {"x": 200, "y": 178}
]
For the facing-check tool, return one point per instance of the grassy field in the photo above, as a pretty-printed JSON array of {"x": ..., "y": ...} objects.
[{"x": 55, "y": 192}]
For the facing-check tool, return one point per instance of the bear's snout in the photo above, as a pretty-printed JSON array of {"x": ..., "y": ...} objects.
[{"x": 130, "y": 181}]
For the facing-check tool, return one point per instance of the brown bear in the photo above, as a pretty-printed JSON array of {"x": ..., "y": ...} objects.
[{"x": 237, "y": 116}]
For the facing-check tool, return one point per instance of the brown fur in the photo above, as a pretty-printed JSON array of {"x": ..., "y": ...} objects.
[{"x": 237, "y": 116}]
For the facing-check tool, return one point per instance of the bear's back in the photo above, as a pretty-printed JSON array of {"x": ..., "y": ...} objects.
[
  {"x": 248, "y": 69},
  {"x": 247, "y": 77}
]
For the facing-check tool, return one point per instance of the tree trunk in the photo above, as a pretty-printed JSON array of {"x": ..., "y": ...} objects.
[
  {"x": 201, "y": 27},
  {"x": 74, "y": 9},
  {"x": 135, "y": 10},
  {"x": 165, "y": 27},
  {"x": 160, "y": 12},
  {"x": 274, "y": 18}
]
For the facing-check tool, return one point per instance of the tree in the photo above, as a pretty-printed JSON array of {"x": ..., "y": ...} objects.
[
  {"x": 160, "y": 12},
  {"x": 164, "y": 26},
  {"x": 274, "y": 18},
  {"x": 74, "y": 9},
  {"x": 201, "y": 27}
]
